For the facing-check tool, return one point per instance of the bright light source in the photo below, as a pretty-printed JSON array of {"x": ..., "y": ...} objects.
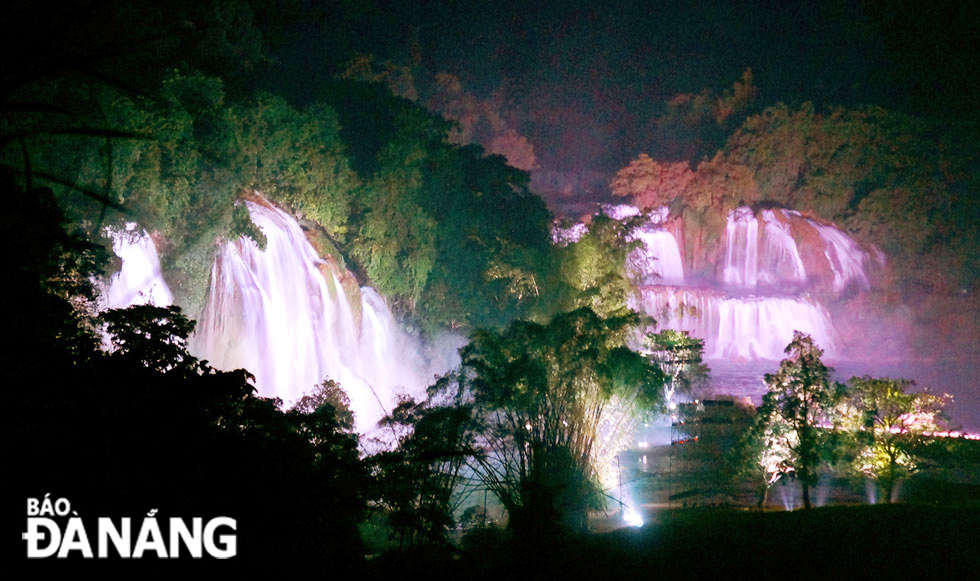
[{"x": 632, "y": 518}]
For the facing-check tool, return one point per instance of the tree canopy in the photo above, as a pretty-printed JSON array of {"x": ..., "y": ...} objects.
[
  {"x": 550, "y": 404},
  {"x": 798, "y": 409},
  {"x": 892, "y": 179},
  {"x": 892, "y": 423}
]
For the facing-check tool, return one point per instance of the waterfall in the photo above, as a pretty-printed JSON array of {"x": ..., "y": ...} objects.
[
  {"x": 779, "y": 257},
  {"x": 656, "y": 260},
  {"x": 284, "y": 314},
  {"x": 771, "y": 257},
  {"x": 290, "y": 317},
  {"x": 845, "y": 257},
  {"x": 741, "y": 249},
  {"x": 772, "y": 266},
  {"x": 138, "y": 281},
  {"x": 737, "y": 328}
]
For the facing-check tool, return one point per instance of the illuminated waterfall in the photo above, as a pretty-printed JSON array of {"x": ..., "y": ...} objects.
[
  {"x": 762, "y": 251},
  {"x": 845, "y": 258},
  {"x": 737, "y": 328},
  {"x": 283, "y": 314},
  {"x": 290, "y": 317},
  {"x": 779, "y": 258},
  {"x": 658, "y": 259},
  {"x": 741, "y": 249},
  {"x": 771, "y": 267},
  {"x": 138, "y": 281}
]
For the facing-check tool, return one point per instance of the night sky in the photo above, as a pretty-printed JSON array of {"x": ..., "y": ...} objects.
[{"x": 589, "y": 83}]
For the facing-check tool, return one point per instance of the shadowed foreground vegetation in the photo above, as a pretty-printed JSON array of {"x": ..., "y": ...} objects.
[{"x": 866, "y": 542}]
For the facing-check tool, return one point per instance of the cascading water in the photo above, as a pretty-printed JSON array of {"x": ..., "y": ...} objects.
[
  {"x": 767, "y": 251},
  {"x": 741, "y": 249},
  {"x": 138, "y": 281},
  {"x": 771, "y": 264},
  {"x": 845, "y": 258},
  {"x": 283, "y": 314},
  {"x": 658, "y": 259},
  {"x": 771, "y": 276},
  {"x": 779, "y": 258},
  {"x": 737, "y": 328}
]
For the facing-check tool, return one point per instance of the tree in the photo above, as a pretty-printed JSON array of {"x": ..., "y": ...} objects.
[
  {"x": 548, "y": 403},
  {"x": 331, "y": 399},
  {"x": 765, "y": 452},
  {"x": 651, "y": 183},
  {"x": 154, "y": 337},
  {"x": 679, "y": 357},
  {"x": 802, "y": 396},
  {"x": 593, "y": 269},
  {"x": 894, "y": 423},
  {"x": 421, "y": 482}
]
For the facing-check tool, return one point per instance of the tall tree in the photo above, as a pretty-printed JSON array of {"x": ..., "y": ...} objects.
[
  {"x": 592, "y": 270},
  {"x": 894, "y": 423},
  {"x": 422, "y": 482},
  {"x": 802, "y": 396},
  {"x": 652, "y": 183},
  {"x": 548, "y": 402}
]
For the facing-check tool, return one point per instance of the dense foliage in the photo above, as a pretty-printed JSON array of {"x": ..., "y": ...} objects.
[
  {"x": 892, "y": 423},
  {"x": 592, "y": 270},
  {"x": 449, "y": 235},
  {"x": 870, "y": 428},
  {"x": 546, "y": 408},
  {"x": 905, "y": 183},
  {"x": 148, "y": 426},
  {"x": 800, "y": 404}
]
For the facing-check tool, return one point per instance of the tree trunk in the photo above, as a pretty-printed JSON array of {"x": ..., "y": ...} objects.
[
  {"x": 888, "y": 484},
  {"x": 806, "y": 495}
]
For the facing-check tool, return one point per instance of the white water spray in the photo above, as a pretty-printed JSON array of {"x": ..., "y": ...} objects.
[
  {"x": 283, "y": 314},
  {"x": 139, "y": 281},
  {"x": 737, "y": 328}
]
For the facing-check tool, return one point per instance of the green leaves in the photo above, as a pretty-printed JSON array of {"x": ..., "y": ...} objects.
[
  {"x": 542, "y": 395},
  {"x": 593, "y": 269},
  {"x": 799, "y": 404},
  {"x": 296, "y": 158},
  {"x": 678, "y": 355},
  {"x": 893, "y": 422},
  {"x": 156, "y": 337}
]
